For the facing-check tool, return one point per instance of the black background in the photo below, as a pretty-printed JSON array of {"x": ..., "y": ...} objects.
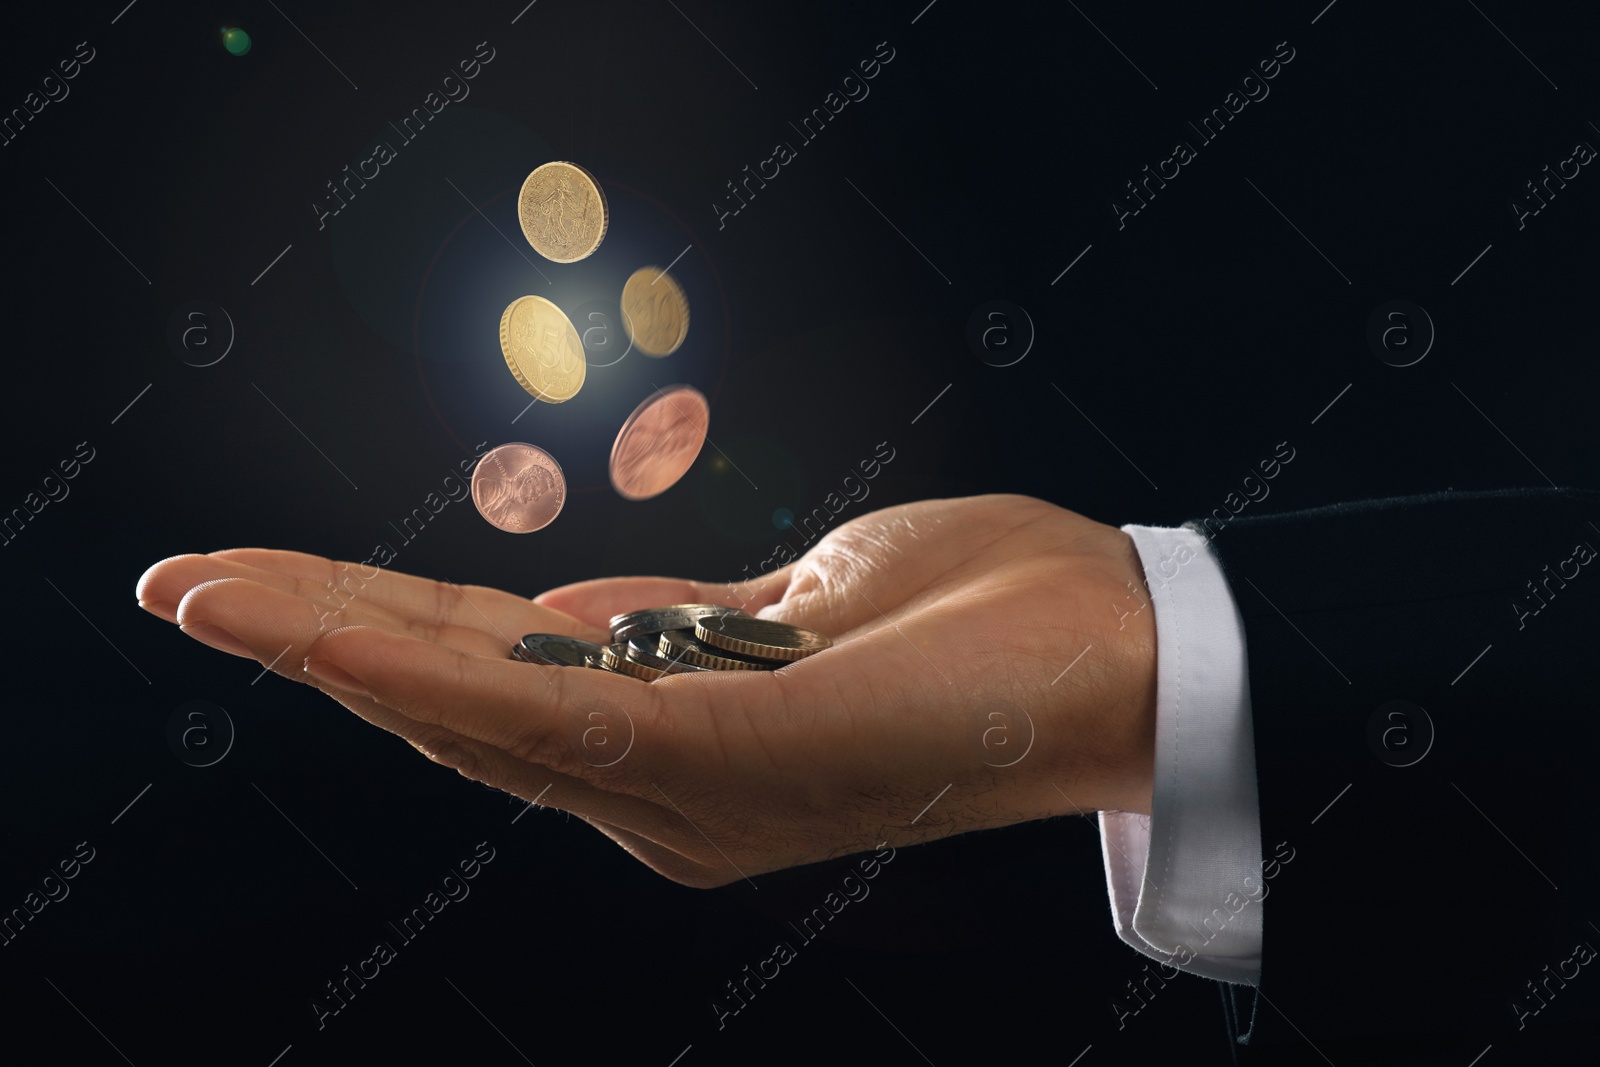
[{"x": 827, "y": 316}]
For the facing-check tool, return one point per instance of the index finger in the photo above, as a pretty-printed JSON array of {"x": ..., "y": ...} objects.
[{"x": 433, "y": 602}]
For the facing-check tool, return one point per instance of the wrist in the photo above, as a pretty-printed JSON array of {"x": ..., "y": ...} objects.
[
  {"x": 1102, "y": 725},
  {"x": 1132, "y": 652}
]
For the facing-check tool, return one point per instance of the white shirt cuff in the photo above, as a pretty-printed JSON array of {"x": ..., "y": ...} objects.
[{"x": 1185, "y": 882}]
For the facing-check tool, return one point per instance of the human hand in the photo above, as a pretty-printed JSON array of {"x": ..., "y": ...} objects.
[{"x": 951, "y": 620}]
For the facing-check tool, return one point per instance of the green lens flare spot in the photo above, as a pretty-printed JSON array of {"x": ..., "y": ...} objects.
[{"x": 236, "y": 41}]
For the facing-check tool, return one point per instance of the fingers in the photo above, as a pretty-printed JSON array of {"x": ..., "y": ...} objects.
[
  {"x": 159, "y": 589},
  {"x": 163, "y": 586},
  {"x": 485, "y": 763},
  {"x": 407, "y": 595},
  {"x": 335, "y": 590},
  {"x": 669, "y": 863},
  {"x": 249, "y": 619},
  {"x": 609, "y": 740},
  {"x": 579, "y": 722},
  {"x": 841, "y": 593},
  {"x": 597, "y": 600},
  {"x": 859, "y": 575},
  {"x": 279, "y": 628},
  {"x": 445, "y": 696},
  {"x": 438, "y": 744}
]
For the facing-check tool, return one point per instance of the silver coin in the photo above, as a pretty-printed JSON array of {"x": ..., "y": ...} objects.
[
  {"x": 614, "y": 658},
  {"x": 674, "y": 644},
  {"x": 641, "y": 648},
  {"x": 556, "y": 650},
  {"x": 761, "y": 638},
  {"x": 671, "y": 617}
]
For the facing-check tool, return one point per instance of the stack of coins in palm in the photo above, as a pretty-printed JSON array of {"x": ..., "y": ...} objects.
[
  {"x": 564, "y": 216},
  {"x": 679, "y": 639}
]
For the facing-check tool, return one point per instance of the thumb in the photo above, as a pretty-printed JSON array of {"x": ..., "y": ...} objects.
[
  {"x": 838, "y": 593},
  {"x": 597, "y": 600}
]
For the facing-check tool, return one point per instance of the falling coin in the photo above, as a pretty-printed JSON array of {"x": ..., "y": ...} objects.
[
  {"x": 518, "y": 488},
  {"x": 659, "y": 442},
  {"x": 542, "y": 348},
  {"x": 563, "y": 212},
  {"x": 654, "y": 311}
]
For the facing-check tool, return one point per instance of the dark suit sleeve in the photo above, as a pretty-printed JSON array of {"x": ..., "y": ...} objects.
[{"x": 1440, "y": 891}]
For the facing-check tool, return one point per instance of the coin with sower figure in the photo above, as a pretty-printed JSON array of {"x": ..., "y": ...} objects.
[{"x": 563, "y": 212}]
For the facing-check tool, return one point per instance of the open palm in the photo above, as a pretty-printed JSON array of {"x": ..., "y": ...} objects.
[{"x": 985, "y": 671}]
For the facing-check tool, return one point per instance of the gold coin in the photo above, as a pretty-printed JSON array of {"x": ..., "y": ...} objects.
[
  {"x": 764, "y": 638},
  {"x": 655, "y": 312},
  {"x": 563, "y": 212},
  {"x": 542, "y": 349}
]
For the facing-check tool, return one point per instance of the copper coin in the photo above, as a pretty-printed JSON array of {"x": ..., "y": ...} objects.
[
  {"x": 659, "y": 442},
  {"x": 518, "y": 488}
]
